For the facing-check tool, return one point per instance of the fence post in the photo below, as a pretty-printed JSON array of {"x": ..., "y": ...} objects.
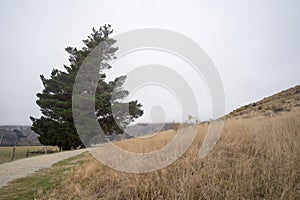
[
  {"x": 13, "y": 153},
  {"x": 1, "y": 140},
  {"x": 27, "y": 152}
]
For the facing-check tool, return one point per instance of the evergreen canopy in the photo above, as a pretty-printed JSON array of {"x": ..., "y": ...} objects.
[{"x": 56, "y": 125}]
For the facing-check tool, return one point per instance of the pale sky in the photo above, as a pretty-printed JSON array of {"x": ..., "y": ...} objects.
[{"x": 254, "y": 44}]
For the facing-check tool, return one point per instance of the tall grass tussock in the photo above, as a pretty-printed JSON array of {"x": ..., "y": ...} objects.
[{"x": 255, "y": 158}]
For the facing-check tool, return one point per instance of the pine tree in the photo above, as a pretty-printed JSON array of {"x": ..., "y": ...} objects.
[{"x": 56, "y": 125}]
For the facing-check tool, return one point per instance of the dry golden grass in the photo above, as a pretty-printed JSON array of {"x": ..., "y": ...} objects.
[
  {"x": 20, "y": 152},
  {"x": 283, "y": 101},
  {"x": 255, "y": 158},
  {"x": 147, "y": 144}
]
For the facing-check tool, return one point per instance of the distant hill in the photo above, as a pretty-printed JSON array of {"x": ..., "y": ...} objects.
[
  {"x": 141, "y": 129},
  {"x": 19, "y": 135},
  {"x": 284, "y": 101}
]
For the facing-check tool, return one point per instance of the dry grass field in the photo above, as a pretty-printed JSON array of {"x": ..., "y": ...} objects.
[
  {"x": 20, "y": 152},
  {"x": 255, "y": 158}
]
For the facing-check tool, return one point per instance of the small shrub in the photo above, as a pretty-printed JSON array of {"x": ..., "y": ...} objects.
[
  {"x": 277, "y": 108},
  {"x": 259, "y": 107}
]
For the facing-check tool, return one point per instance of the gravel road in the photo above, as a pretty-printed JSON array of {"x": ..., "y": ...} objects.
[{"x": 24, "y": 167}]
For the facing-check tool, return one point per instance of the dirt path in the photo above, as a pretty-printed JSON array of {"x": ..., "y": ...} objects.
[{"x": 24, "y": 167}]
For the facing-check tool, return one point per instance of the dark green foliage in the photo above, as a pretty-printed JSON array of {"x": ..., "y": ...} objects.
[{"x": 56, "y": 126}]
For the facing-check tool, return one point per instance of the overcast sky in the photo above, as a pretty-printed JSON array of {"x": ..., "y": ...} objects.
[{"x": 254, "y": 44}]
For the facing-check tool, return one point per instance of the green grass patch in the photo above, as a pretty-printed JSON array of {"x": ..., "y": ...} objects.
[{"x": 41, "y": 182}]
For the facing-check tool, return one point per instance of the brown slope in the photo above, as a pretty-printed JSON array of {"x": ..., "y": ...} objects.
[{"x": 284, "y": 101}]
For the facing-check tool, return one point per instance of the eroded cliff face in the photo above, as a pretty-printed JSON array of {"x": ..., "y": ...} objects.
[{"x": 18, "y": 135}]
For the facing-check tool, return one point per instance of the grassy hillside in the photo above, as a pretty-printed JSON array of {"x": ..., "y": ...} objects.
[
  {"x": 284, "y": 101},
  {"x": 255, "y": 158}
]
